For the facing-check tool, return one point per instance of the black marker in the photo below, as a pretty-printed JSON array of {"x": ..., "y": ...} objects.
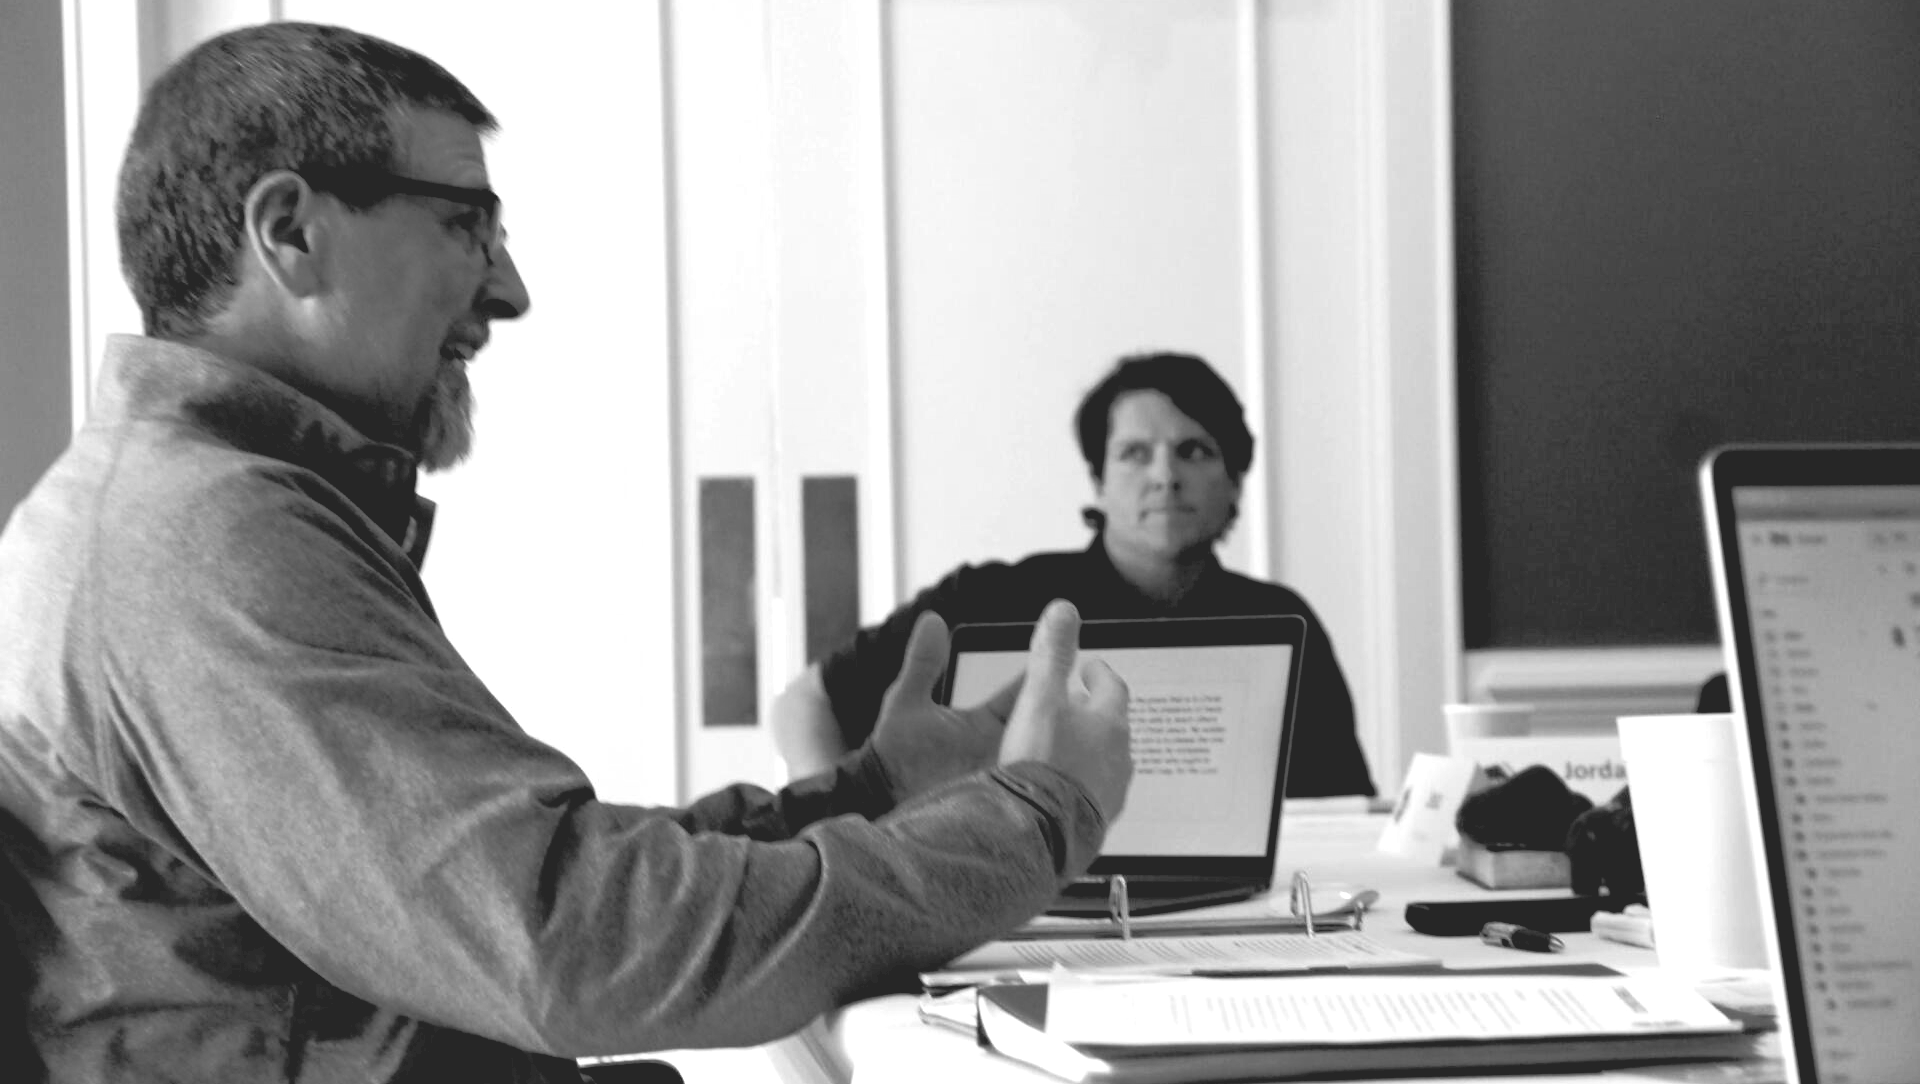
[{"x": 1508, "y": 935}]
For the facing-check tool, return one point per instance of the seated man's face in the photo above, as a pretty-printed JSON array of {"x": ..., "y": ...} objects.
[
  {"x": 420, "y": 288},
  {"x": 1165, "y": 489}
]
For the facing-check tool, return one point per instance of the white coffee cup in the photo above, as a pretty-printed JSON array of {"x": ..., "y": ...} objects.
[
  {"x": 1689, "y": 811},
  {"x": 1469, "y": 721}
]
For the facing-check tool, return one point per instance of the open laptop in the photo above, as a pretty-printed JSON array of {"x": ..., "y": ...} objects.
[
  {"x": 1211, "y": 706},
  {"x": 1816, "y": 554}
]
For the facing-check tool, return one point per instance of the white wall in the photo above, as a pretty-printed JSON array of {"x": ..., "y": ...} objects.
[
  {"x": 1363, "y": 374},
  {"x": 1067, "y": 188},
  {"x": 103, "y": 84},
  {"x": 553, "y": 553}
]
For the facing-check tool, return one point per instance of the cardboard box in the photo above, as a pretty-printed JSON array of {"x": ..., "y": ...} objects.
[{"x": 1514, "y": 868}]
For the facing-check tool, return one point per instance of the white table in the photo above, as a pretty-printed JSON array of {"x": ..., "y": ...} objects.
[{"x": 883, "y": 1039}]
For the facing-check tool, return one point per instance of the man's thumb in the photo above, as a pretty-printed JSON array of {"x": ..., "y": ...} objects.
[
  {"x": 926, "y": 657},
  {"x": 1055, "y": 646}
]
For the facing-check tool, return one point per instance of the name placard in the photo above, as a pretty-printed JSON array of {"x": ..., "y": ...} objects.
[
  {"x": 1422, "y": 824},
  {"x": 1591, "y": 765}
]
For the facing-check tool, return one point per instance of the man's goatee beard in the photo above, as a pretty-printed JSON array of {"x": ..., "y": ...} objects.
[{"x": 447, "y": 418}]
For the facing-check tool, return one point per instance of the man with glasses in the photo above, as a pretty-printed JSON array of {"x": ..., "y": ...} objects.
[{"x": 260, "y": 821}]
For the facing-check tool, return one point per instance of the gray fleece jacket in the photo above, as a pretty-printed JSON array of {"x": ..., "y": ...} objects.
[{"x": 262, "y": 823}]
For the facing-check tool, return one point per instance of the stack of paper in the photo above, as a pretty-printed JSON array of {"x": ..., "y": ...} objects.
[{"x": 1283, "y": 1028}]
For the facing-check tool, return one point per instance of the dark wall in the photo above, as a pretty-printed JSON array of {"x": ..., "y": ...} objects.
[
  {"x": 1677, "y": 224},
  {"x": 34, "y": 411}
]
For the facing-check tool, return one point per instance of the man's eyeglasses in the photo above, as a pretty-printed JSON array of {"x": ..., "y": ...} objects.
[{"x": 366, "y": 187}]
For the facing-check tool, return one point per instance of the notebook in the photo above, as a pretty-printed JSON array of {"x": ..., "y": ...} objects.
[
  {"x": 1816, "y": 553},
  {"x": 1211, "y": 707},
  {"x": 1429, "y": 1023}
]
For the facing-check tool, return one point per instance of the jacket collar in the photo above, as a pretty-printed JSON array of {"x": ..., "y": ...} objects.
[{"x": 143, "y": 378}]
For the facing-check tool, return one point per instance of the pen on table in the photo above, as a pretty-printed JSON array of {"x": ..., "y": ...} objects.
[{"x": 1508, "y": 935}]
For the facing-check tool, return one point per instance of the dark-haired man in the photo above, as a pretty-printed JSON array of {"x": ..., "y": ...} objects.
[
  {"x": 270, "y": 827},
  {"x": 1167, "y": 446}
]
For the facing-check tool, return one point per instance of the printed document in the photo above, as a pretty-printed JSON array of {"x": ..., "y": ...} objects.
[{"x": 1371, "y": 1009}]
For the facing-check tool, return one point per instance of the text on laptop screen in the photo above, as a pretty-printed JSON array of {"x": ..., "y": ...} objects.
[
  {"x": 1832, "y": 581},
  {"x": 1206, "y": 725}
]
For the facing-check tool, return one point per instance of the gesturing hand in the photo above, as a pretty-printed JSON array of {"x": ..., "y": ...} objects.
[
  {"x": 923, "y": 744},
  {"x": 1072, "y": 714}
]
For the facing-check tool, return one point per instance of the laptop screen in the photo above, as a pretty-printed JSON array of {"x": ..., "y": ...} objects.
[
  {"x": 1208, "y": 731},
  {"x": 1829, "y": 578}
]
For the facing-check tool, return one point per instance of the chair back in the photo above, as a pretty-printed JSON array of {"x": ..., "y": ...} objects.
[{"x": 23, "y": 925}]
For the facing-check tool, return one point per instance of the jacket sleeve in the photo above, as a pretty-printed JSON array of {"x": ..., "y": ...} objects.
[
  {"x": 286, "y": 715},
  {"x": 1326, "y": 757}
]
